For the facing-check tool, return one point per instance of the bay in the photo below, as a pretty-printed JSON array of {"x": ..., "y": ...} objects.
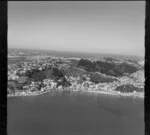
[{"x": 75, "y": 113}]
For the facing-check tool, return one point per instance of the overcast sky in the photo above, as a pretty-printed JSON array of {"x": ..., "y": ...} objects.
[{"x": 98, "y": 26}]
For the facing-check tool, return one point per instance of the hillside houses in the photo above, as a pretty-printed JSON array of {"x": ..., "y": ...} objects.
[{"x": 22, "y": 74}]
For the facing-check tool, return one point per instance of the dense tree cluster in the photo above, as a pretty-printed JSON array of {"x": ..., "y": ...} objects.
[
  {"x": 97, "y": 78},
  {"x": 107, "y": 68},
  {"x": 87, "y": 65},
  {"x": 38, "y": 76},
  {"x": 28, "y": 73},
  {"x": 53, "y": 73}
]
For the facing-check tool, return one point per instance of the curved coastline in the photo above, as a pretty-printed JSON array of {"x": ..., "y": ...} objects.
[{"x": 110, "y": 93}]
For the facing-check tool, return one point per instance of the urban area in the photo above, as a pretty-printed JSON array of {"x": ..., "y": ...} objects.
[{"x": 107, "y": 76}]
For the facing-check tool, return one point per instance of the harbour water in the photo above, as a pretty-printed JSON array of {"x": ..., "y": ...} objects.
[{"x": 75, "y": 113}]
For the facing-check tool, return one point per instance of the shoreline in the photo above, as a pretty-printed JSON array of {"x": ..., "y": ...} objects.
[
  {"x": 29, "y": 94},
  {"x": 111, "y": 93},
  {"x": 118, "y": 94}
]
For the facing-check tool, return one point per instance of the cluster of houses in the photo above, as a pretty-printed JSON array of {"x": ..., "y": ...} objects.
[
  {"x": 21, "y": 68},
  {"x": 18, "y": 70},
  {"x": 135, "y": 82}
]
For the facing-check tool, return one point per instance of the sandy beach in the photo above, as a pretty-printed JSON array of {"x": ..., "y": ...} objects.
[{"x": 112, "y": 93}]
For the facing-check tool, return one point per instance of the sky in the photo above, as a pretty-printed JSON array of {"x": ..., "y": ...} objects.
[{"x": 116, "y": 27}]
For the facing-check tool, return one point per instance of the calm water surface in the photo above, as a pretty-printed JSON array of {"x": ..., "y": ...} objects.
[{"x": 75, "y": 114}]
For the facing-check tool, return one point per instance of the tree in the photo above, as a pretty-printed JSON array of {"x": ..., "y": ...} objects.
[
  {"x": 38, "y": 76},
  {"x": 28, "y": 73},
  {"x": 107, "y": 68},
  {"x": 97, "y": 78},
  {"x": 54, "y": 73}
]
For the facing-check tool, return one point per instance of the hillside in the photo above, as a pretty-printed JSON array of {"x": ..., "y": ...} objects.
[{"x": 108, "y": 68}]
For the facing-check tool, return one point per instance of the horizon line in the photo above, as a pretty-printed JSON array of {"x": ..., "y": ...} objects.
[{"x": 69, "y": 51}]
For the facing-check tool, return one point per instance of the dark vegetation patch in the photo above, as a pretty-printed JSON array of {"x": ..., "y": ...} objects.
[
  {"x": 128, "y": 88},
  {"x": 37, "y": 75},
  {"x": 87, "y": 65},
  {"x": 98, "y": 78},
  {"x": 53, "y": 73},
  {"x": 111, "y": 69}
]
